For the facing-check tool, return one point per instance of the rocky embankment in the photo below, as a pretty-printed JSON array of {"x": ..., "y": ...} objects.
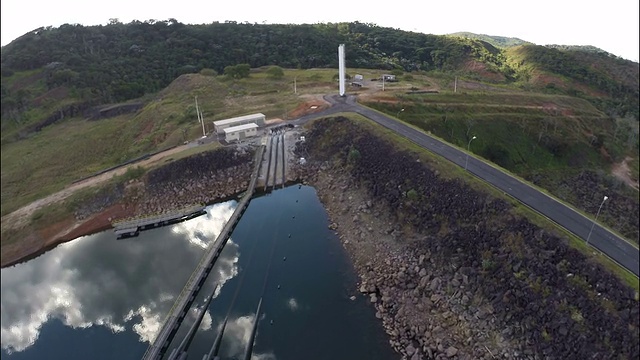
[
  {"x": 451, "y": 271},
  {"x": 200, "y": 179},
  {"x": 586, "y": 189},
  {"x": 203, "y": 178}
]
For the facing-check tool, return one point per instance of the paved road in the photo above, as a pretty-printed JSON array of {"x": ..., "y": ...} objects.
[{"x": 604, "y": 240}]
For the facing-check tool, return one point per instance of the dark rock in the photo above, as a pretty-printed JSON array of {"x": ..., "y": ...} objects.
[{"x": 451, "y": 351}]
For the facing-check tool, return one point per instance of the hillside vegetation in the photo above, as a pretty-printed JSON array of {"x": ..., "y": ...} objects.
[
  {"x": 77, "y": 99},
  {"x": 497, "y": 41},
  {"x": 560, "y": 143},
  {"x": 46, "y": 161},
  {"x": 46, "y": 70}
]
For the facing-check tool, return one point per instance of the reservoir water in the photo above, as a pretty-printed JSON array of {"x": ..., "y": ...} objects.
[{"x": 99, "y": 298}]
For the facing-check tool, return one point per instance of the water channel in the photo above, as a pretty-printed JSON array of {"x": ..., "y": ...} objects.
[{"x": 101, "y": 298}]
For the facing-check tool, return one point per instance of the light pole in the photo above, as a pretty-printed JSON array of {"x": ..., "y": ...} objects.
[
  {"x": 596, "y": 219},
  {"x": 398, "y": 114},
  {"x": 468, "y": 146}
]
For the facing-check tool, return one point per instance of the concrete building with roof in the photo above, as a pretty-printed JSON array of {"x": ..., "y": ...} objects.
[
  {"x": 258, "y": 119},
  {"x": 240, "y": 132}
]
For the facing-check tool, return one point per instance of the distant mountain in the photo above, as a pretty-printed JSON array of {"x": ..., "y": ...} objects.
[{"x": 497, "y": 41}]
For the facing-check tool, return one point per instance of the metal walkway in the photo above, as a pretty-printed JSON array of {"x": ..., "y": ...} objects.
[
  {"x": 187, "y": 296},
  {"x": 132, "y": 228}
]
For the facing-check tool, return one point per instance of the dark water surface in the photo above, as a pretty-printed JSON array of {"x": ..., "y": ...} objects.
[{"x": 98, "y": 298}]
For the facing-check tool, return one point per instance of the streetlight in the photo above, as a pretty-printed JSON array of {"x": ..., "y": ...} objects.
[
  {"x": 398, "y": 114},
  {"x": 596, "y": 219},
  {"x": 468, "y": 146}
]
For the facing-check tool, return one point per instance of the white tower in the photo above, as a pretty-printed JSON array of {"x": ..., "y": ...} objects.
[{"x": 341, "y": 68}]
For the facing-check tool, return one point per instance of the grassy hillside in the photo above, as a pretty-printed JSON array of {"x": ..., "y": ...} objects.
[
  {"x": 497, "y": 41},
  {"x": 609, "y": 83},
  {"x": 68, "y": 69},
  {"x": 561, "y": 143},
  {"x": 74, "y": 147}
]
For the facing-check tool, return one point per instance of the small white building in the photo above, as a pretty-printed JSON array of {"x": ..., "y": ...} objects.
[
  {"x": 388, "y": 77},
  {"x": 358, "y": 77},
  {"x": 240, "y": 132},
  {"x": 220, "y": 125}
]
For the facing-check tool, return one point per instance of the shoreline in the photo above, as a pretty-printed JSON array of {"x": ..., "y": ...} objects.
[
  {"x": 74, "y": 230},
  {"x": 41, "y": 241},
  {"x": 161, "y": 190},
  {"x": 450, "y": 271}
]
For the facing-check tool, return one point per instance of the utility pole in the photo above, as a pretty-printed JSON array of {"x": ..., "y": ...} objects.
[
  {"x": 383, "y": 82},
  {"x": 596, "y": 219},
  {"x": 200, "y": 119},
  {"x": 466, "y": 163},
  {"x": 295, "y": 89},
  {"x": 455, "y": 85}
]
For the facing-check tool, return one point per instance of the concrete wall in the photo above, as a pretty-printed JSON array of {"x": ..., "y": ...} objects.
[{"x": 242, "y": 134}]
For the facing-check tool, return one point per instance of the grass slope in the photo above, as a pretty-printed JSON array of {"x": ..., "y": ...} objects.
[
  {"x": 48, "y": 160},
  {"x": 560, "y": 143}
]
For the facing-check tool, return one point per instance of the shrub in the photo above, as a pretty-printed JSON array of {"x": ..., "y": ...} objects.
[
  {"x": 208, "y": 72},
  {"x": 412, "y": 195},
  {"x": 275, "y": 72},
  {"x": 354, "y": 155}
]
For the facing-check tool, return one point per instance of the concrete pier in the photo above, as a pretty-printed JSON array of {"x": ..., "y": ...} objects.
[
  {"x": 132, "y": 228},
  {"x": 188, "y": 294}
]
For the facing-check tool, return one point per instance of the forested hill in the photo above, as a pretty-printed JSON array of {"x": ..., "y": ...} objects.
[
  {"x": 117, "y": 62},
  {"x": 497, "y": 41},
  {"x": 138, "y": 57}
]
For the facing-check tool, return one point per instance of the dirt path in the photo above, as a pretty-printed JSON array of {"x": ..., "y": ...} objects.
[
  {"x": 621, "y": 171},
  {"x": 19, "y": 218}
]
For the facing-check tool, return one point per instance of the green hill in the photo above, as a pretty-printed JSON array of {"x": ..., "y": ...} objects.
[{"x": 497, "y": 41}]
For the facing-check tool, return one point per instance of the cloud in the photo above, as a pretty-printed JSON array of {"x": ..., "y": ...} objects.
[
  {"x": 236, "y": 337},
  {"x": 292, "y": 304},
  {"x": 98, "y": 281}
]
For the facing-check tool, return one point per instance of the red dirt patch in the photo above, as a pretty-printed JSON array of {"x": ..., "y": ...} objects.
[
  {"x": 40, "y": 241},
  {"x": 379, "y": 97},
  {"x": 482, "y": 70},
  {"x": 148, "y": 127},
  {"x": 307, "y": 107},
  {"x": 94, "y": 224},
  {"x": 543, "y": 79}
]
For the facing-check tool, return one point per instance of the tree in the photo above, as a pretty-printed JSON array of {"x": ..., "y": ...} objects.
[
  {"x": 275, "y": 72},
  {"x": 237, "y": 71},
  {"x": 354, "y": 155},
  {"x": 208, "y": 72}
]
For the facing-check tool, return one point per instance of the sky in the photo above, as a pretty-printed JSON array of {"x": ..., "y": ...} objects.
[{"x": 610, "y": 25}]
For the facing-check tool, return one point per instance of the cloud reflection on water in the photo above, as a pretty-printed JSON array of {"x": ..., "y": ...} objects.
[
  {"x": 236, "y": 337},
  {"x": 292, "y": 304},
  {"x": 129, "y": 284}
]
